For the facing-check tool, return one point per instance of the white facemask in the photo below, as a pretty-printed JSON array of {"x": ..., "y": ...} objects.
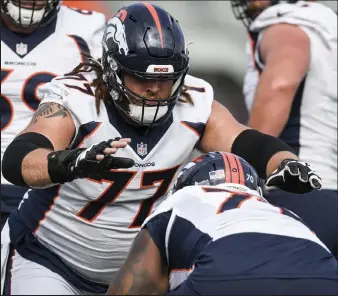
[
  {"x": 23, "y": 16},
  {"x": 149, "y": 113}
]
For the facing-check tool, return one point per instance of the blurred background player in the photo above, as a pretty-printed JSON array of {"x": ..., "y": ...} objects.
[
  {"x": 94, "y": 5},
  {"x": 40, "y": 39},
  {"x": 291, "y": 91},
  {"x": 216, "y": 235},
  {"x": 71, "y": 235}
]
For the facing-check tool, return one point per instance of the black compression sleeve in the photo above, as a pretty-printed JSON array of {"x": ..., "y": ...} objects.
[
  {"x": 257, "y": 149},
  {"x": 17, "y": 151}
]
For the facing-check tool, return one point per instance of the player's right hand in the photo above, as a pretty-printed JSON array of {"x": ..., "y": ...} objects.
[
  {"x": 115, "y": 144},
  {"x": 92, "y": 162}
]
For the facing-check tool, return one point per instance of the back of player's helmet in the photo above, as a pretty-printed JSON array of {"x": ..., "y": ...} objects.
[
  {"x": 145, "y": 41},
  {"x": 217, "y": 168},
  {"x": 248, "y": 10},
  {"x": 24, "y": 16}
]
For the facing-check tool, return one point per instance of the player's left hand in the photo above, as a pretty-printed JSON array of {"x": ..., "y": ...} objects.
[{"x": 294, "y": 176}]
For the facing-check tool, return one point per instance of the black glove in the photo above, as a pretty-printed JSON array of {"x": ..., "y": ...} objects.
[
  {"x": 68, "y": 165},
  {"x": 294, "y": 176}
]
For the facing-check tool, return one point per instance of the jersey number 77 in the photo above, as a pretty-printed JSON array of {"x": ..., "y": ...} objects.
[{"x": 119, "y": 180}]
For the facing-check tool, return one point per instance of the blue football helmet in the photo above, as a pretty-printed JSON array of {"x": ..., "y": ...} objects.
[{"x": 217, "y": 168}]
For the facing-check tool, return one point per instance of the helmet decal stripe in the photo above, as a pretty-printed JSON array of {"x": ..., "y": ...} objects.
[
  {"x": 154, "y": 14},
  {"x": 198, "y": 158},
  {"x": 240, "y": 171},
  {"x": 121, "y": 14},
  {"x": 233, "y": 168},
  {"x": 228, "y": 177}
]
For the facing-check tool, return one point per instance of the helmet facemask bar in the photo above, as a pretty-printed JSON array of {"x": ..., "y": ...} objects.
[
  {"x": 151, "y": 112},
  {"x": 30, "y": 13},
  {"x": 240, "y": 11}
]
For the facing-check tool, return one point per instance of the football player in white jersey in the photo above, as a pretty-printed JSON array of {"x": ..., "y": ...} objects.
[
  {"x": 291, "y": 92},
  {"x": 106, "y": 143},
  {"x": 217, "y": 235},
  {"x": 39, "y": 40}
]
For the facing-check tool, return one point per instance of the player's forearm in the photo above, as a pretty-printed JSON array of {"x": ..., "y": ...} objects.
[
  {"x": 276, "y": 160},
  {"x": 144, "y": 272},
  {"x": 271, "y": 106},
  {"x": 24, "y": 162},
  {"x": 35, "y": 169},
  {"x": 264, "y": 152}
]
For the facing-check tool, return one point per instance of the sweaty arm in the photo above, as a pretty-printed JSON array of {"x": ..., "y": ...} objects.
[
  {"x": 285, "y": 52},
  {"x": 144, "y": 272},
  {"x": 224, "y": 133},
  {"x": 50, "y": 129}
]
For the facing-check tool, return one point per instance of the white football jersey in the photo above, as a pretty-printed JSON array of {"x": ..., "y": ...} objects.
[
  {"x": 29, "y": 61},
  {"x": 217, "y": 212},
  {"x": 89, "y": 223},
  {"x": 312, "y": 126}
]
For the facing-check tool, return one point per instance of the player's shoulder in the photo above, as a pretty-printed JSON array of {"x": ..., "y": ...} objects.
[
  {"x": 201, "y": 94},
  {"x": 176, "y": 202},
  {"x": 81, "y": 20},
  {"x": 68, "y": 87},
  {"x": 76, "y": 94},
  {"x": 308, "y": 14},
  {"x": 195, "y": 84},
  {"x": 182, "y": 197}
]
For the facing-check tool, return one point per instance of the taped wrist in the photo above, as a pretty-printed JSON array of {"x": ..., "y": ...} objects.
[
  {"x": 64, "y": 166},
  {"x": 258, "y": 148},
  {"x": 17, "y": 151},
  {"x": 60, "y": 165}
]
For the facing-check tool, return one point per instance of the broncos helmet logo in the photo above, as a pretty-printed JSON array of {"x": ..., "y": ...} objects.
[{"x": 116, "y": 30}]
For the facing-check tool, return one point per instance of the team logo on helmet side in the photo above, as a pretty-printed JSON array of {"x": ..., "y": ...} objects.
[{"x": 116, "y": 31}]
